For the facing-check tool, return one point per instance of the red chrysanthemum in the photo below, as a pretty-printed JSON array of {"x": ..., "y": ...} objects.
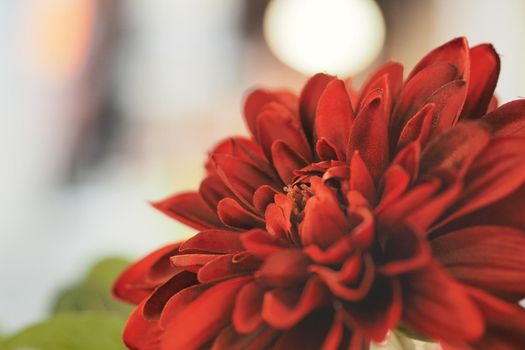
[{"x": 347, "y": 215}]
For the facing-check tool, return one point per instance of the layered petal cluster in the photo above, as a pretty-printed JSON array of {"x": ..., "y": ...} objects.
[{"x": 347, "y": 214}]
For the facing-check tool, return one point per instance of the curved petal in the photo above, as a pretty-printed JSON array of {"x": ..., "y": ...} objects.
[
  {"x": 334, "y": 115},
  {"x": 202, "y": 320},
  {"x": 323, "y": 222},
  {"x": 454, "y": 52},
  {"x": 258, "y": 99},
  {"x": 213, "y": 241},
  {"x": 286, "y": 161},
  {"x": 284, "y": 308},
  {"x": 370, "y": 134},
  {"x": 379, "y": 311},
  {"x": 190, "y": 209},
  {"x": 508, "y": 119},
  {"x": 233, "y": 215},
  {"x": 308, "y": 101},
  {"x": 140, "y": 333},
  {"x": 484, "y": 73},
  {"x": 487, "y": 257},
  {"x": 286, "y": 268},
  {"x": 248, "y": 305},
  {"x": 157, "y": 300},
  {"x": 438, "y": 307},
  {"x": 135, "y": 284},
  {"x": 262, "y": 244}
]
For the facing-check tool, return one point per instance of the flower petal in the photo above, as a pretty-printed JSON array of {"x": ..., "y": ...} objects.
[
  {"x": 233, "y": 215},
  {"x": 286, "y": 268},
  {"x": 454, "y": 52},
  {"x": 334, "y": 116},
  {"x": 484, "y": 73},
  {"x": 157, "y": 300},
  {"x": 439, "y": 307},
  {"x": 276, "y": 123},
  {"x": 379, "y": 311},
  {"x": 262, "y": 244},
  {"x": 496, "y": 172},
  {"x": 323, "y": 222},
  {"x": 212, "y": 190},
  {"x": 202, "y": 320},
  {"x": 309, "y": 99},
  {"x": 141, "y": 333},
  {"x": 508, "y": 119},
  {"x": 213, "y": 241},
  {"x": 135, "y": 284},
  {"x": 248, "y": 305},
  {"x": 370, "y": 134},
  {"x": 487, "y": 257},
  {"x": 286, "y": 161},
  {"x": 190, "y": 209},
  {"x": 284, "y": 308},
  {"x": 257, "y": 99}
]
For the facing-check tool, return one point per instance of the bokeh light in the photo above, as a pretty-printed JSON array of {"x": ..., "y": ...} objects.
[{"x": 336, "y": 36}]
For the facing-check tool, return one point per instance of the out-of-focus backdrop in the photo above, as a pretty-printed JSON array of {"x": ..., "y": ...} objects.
[{"x": 107, "y": 104}]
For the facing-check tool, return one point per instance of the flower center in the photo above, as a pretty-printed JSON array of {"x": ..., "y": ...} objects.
[{"x": 299, "y": 194}]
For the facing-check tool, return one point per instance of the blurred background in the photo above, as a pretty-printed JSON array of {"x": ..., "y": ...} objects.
[{"x": 106, "y": 104}]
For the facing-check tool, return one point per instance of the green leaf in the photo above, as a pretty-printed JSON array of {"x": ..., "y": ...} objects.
[
  {"x": 72, "y": 331},
  {"x": 94, "y": 292}
]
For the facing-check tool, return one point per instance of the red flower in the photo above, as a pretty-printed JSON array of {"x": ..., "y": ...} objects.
[{"x": 347, "y": 215}]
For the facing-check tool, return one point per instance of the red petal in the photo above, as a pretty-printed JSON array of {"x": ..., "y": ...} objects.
[
  {"x": 403, "y": 251},
  {"x": 286, "y": 268},
  {"x": 326, "y": 151},
  {"x": 213, "y": 241},
  {"x": 309, "y": 99},
  {"x": 256, "y": 101},
  {"x": 455, "y": 149},
  {"x": 334, "y": 116},
  {"x": 370, "y": 134},
  {"x": 284, "y": 308},
  {"x": 418, "y": 127},
  {"x": 262, "y": 197},
  {"x": 379, "y": 311},
  {"x": 507, "y": 211},
  {"x": 155, "y": 303},
  {"x": 191, "y": 262},
  {"x": 140, "y": 333},
  {"x": 204, "y": 318},
  {"x": 487, "y": 257},
  {"x": 212, "y": 190},
  {"x": 233, "y": 215},
  {"x": 276, "y": 123},
  {"x": 394, "y": 71},
  {"x": 190, "y": 209},
  {"x": 497, "y": 171},
  {"x": 323, "y": 222},
  {"x": 508, "y": 119},
  {"x": 454, "y": 52},
  {"x": 307, "y": 335},
  {"x": 278, "y": 217},
  {"x": 286, "y": 161},
  {"x": 505, "y": 323},
  {"x": 247, "y": 313},
  {"x": 438, "y": 307},
  {"x": 360, "y": 178},
  {"x": 484, "y": 72},
  {"x": 261, "y": 244},
  {"x": 134, "y": 284},
  {"x": 241, "y": 177},
  {"x": 228, "y": 265},
  {"x": 418, "y": 91},
  {"x": 333, "y": 279}
]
